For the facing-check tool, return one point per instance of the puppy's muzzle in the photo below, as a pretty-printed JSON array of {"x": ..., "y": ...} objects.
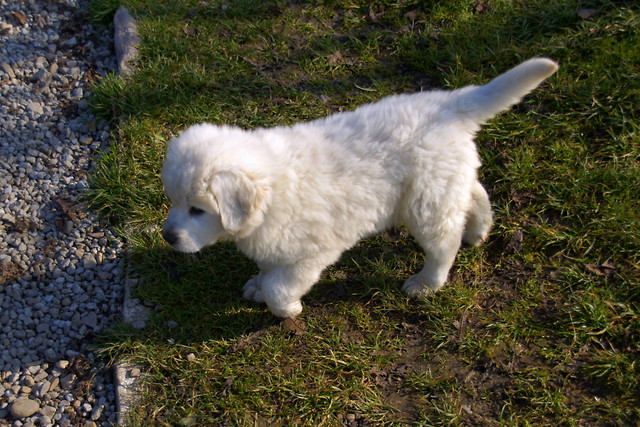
[{"x": 170, "y": 236}]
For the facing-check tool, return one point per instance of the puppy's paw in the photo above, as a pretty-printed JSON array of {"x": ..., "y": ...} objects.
[
  {"x": 475, "y": 237},
  {"x": 285, "y": 311},
  {"x": 252, "y": 290},
  {"x": 415, "y": 287},
  {"x": 478, "y": 227}
]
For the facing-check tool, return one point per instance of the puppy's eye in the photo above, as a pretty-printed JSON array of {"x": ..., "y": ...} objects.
[{"x": 193, "y": 211}]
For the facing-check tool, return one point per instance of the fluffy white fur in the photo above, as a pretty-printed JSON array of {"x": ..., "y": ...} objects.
[{"x": 294, "y": 198}]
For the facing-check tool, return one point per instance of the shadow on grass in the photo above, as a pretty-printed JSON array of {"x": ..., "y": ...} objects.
[
  {"x": 200, "y": 295},
  {"x": 208, "y": 77}
]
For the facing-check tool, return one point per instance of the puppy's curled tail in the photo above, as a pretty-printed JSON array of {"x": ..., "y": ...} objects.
[{"x": 480, "y": 103}]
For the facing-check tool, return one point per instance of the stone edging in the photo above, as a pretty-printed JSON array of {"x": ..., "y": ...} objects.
[
  {"x": 126, "y": 375},
  {"x": 125, "y": 40}
]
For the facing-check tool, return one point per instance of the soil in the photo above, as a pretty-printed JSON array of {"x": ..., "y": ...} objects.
[
  {"x": 477, "y": 387},
  {"x": 9, "y": 272}
]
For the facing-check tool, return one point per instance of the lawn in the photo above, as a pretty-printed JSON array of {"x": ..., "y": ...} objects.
[{"x": 540, "y": 326}]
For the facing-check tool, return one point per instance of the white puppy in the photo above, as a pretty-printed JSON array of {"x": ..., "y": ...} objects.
[{"x": 295, "y": 198}]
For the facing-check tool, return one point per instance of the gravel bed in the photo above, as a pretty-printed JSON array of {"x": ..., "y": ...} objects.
[{"x": 61, "y": 277}]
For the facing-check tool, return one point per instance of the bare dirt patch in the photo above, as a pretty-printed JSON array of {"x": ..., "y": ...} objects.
[{"x": 9, "y": 272}]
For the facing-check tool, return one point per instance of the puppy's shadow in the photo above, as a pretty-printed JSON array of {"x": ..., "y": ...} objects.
[
  {"x": 377, "y": 264},
  {"x": 198, "y": 297}
]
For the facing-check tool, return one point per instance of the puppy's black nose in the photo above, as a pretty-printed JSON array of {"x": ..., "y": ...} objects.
[{"x": 170, "y": 237}]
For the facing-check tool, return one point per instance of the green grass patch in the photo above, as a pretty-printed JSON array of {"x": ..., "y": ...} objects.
[{"x": 541, "y": 326}]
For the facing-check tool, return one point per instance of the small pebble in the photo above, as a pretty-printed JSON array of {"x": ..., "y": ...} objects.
[
  {"x": 23, "y": 408},
  {"x": 62, "y": 364}
]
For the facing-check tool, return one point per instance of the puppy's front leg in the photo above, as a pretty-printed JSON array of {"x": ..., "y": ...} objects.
[
  {"x": 252, "y": 290},
  {"x": 283, "y": 287}
]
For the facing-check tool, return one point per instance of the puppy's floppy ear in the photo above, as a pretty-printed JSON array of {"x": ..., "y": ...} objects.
[{"x": 241, "y": 201}]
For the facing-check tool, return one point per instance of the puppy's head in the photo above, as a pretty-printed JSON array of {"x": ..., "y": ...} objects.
[{"x": 212, "y": 195}]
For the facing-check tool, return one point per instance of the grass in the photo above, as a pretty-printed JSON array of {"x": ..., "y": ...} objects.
[{"x": 541, "y": 326}]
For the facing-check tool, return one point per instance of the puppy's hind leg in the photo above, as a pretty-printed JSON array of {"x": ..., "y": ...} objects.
[
  {"x": 440, "y": 244},
  {"x": 479, "y": 217}
]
